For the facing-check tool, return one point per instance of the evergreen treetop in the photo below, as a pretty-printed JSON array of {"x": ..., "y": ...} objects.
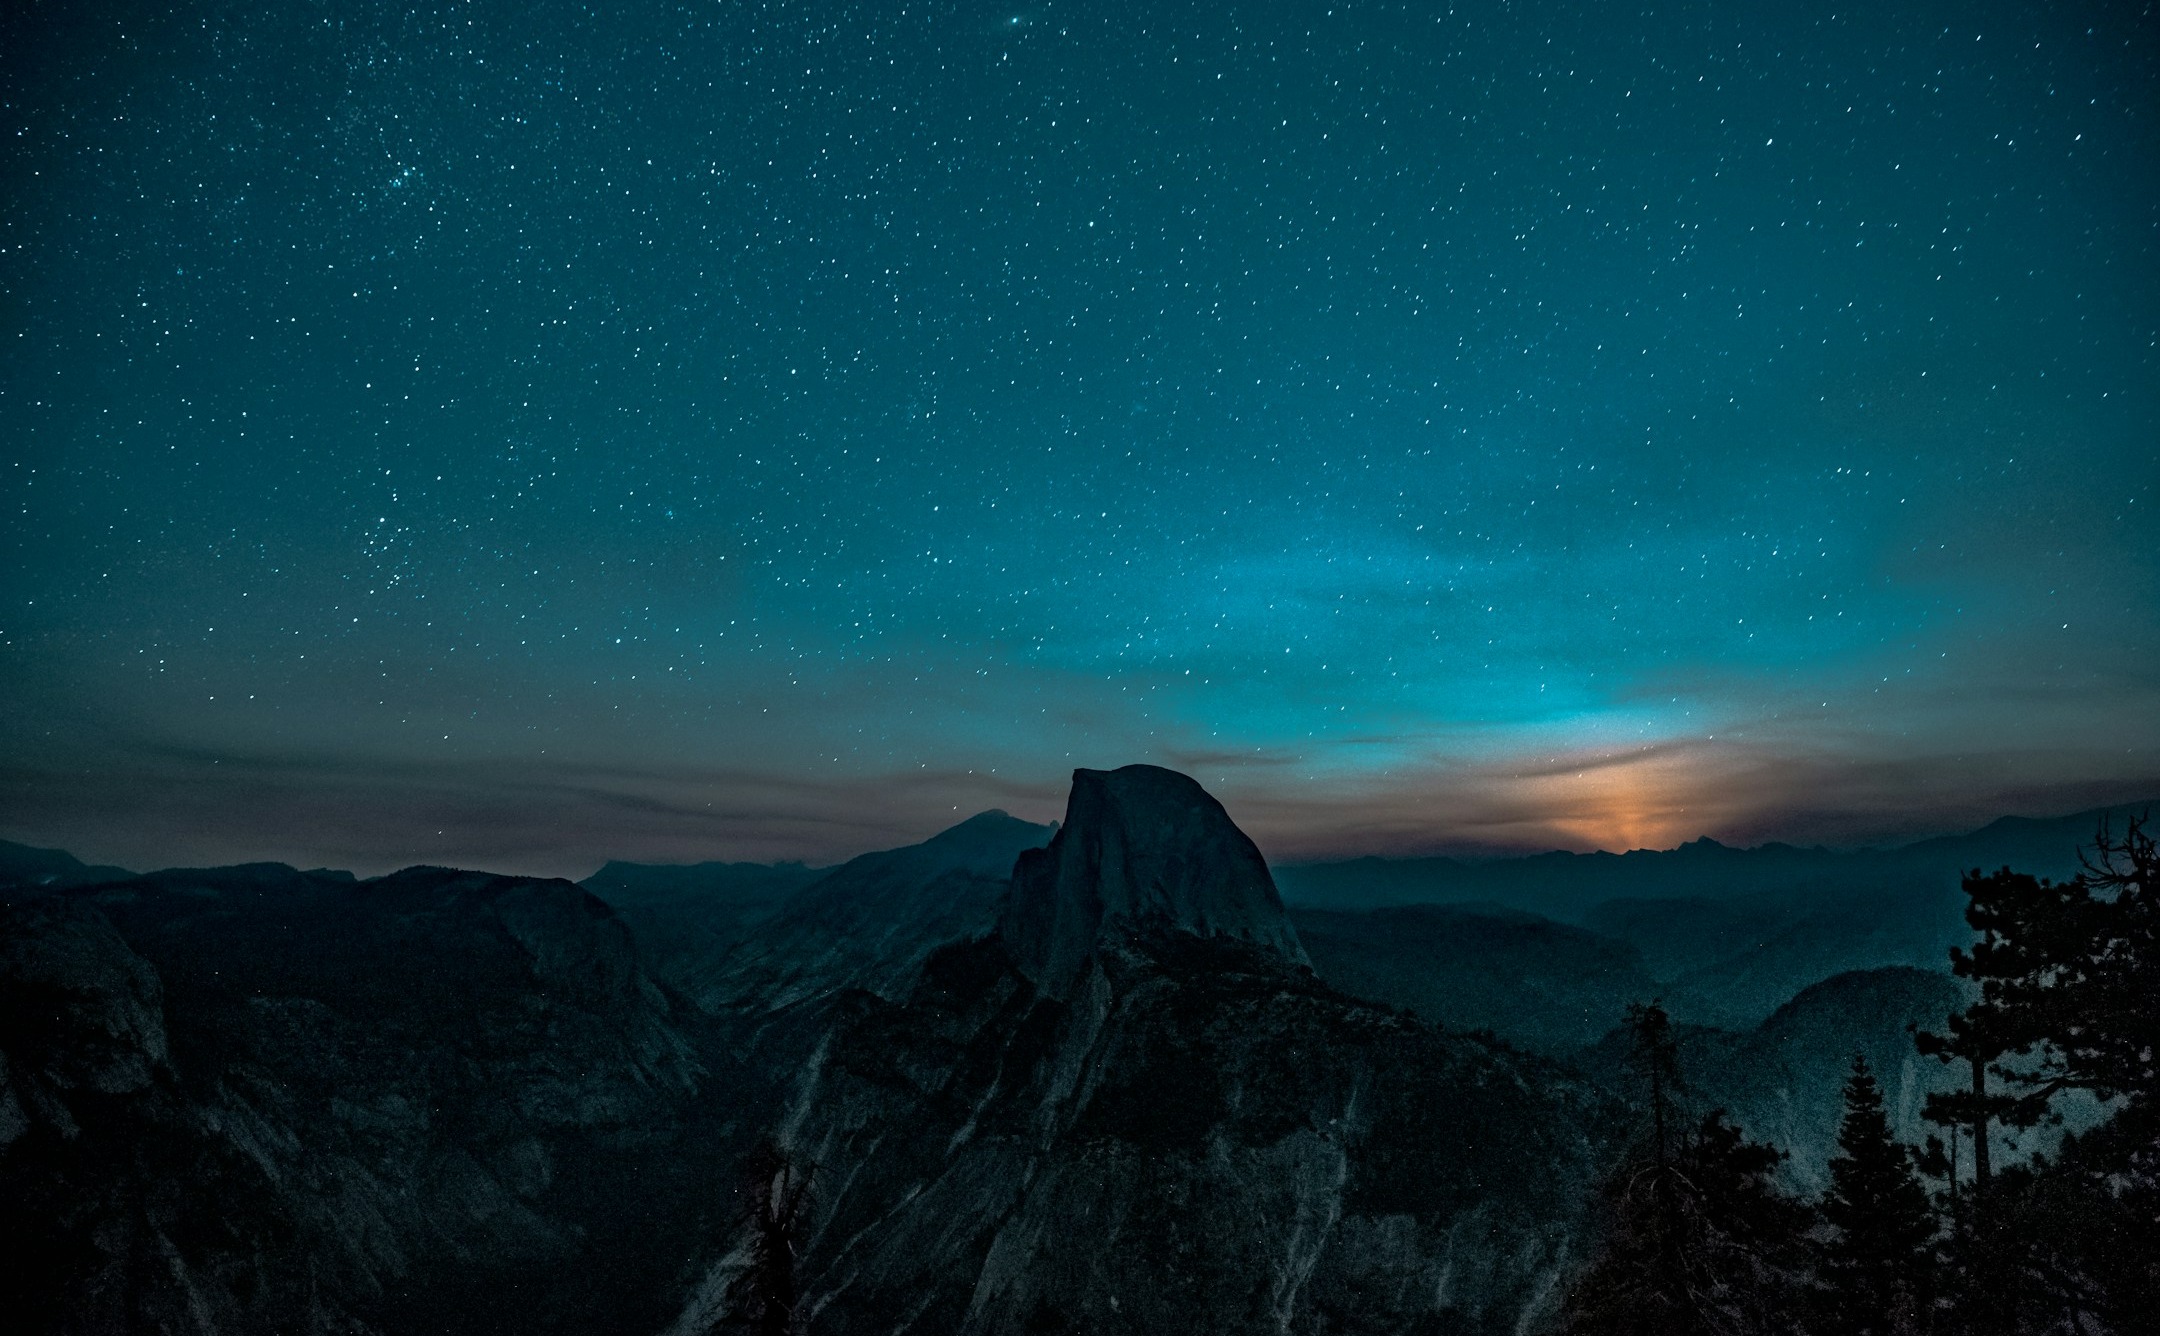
[{"x": 1877, "y": 1266}]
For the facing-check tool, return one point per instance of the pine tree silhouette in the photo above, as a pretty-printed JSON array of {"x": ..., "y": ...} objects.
[
  {"x": 2069, "y": 977},
  {"x": 1997, "y": 907},
  {"x": 1878, "y": 1267},
  {"x": 1700, "y": 1242}
]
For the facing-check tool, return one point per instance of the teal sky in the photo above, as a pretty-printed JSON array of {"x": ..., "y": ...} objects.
[{"x": 529, "y": 434}]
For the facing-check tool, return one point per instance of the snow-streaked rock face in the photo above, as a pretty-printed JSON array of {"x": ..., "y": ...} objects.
[{"x": 1142, "y": 848}]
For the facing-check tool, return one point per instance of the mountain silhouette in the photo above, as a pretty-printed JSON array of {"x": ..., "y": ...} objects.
[
  {"x": 1093, "y": 1074},
  {"x": 1141, "y": 847},
  {"x": 1132, "y": 1107}
]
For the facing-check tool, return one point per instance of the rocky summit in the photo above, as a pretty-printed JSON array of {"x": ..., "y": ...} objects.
[
  {"x": 1134, "y": 1108},
  {"x": 1142, "y": 848}
]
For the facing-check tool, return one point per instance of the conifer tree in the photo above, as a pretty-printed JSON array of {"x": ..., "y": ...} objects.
[
  {"x": 1700, "y": 1242},
  {"x": 2069, "y": 976},
  {"x": 1878, "y": 1267},
  {"x": 1997, "y": 908}
]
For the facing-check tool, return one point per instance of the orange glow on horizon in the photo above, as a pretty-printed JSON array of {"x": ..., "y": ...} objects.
[{"x": 1652, "y": 803}]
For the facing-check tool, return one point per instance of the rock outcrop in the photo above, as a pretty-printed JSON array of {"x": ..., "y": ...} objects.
[
  {"x": 1133, "y": 1108},
  {"x": 254, "y": 1099},
  {"x": 1142, "y": 849}
]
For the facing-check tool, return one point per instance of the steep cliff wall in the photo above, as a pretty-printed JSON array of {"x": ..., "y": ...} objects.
[
  {"x": 1134, "y": 1109},
  {"x": 1140, "y": 847}
]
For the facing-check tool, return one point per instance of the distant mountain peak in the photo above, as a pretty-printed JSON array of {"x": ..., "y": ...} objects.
[
  {"x": 994, "y": 823},
  {"x": 1141, "y": 847},
  {"x": 26, "y": 865}
]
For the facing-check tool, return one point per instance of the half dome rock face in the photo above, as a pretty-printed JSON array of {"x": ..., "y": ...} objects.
[{"x": 1141, "y": 849}]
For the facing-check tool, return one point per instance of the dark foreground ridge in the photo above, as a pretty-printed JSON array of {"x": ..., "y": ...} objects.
[{"x": 253, "y": 1099}]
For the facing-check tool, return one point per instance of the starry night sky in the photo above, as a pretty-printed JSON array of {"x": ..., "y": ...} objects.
[{"x": 522, "y": 434}]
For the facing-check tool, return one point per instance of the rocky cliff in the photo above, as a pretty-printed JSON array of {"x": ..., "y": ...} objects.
[
  {"x": 257, "y": 1099},
  {"x": 1141, "y": 847},
  {"x": 1132, "y": 1108},
  {"x": 254, "y": 1100}
]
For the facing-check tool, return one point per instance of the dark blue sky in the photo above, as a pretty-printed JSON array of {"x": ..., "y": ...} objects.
[{"x": 524, "y": 434}]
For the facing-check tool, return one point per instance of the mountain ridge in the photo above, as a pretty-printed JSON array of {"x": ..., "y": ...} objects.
[{"x": 1563, "y": 884}]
